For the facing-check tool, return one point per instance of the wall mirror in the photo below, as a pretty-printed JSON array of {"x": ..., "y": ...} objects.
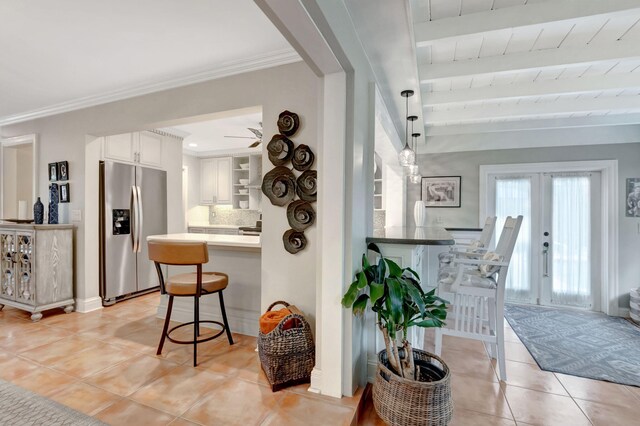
[{"x": 18, "y": 159}]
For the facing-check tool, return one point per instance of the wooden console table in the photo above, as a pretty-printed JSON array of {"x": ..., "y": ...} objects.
[{"x": 37, "y": 267}]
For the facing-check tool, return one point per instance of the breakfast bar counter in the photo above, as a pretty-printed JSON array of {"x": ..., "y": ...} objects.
[{"x": 238, "y": 256}]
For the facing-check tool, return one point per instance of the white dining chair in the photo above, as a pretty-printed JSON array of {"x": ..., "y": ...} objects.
[
  {"x": 445, "y": 259},
  {"x": 476, "y": 291}
]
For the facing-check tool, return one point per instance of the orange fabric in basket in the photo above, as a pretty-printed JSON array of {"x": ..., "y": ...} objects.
[{"x": 271, "y": 319}]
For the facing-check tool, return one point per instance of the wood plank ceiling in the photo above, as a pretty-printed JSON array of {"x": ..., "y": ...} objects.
[{"x": 497, "y": 61}]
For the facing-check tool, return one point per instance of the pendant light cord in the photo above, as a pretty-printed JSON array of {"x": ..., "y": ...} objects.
[{"x": 406, "y": 123}]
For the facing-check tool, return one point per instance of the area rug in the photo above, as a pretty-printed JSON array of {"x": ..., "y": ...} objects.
[
  {"x": 20, "y": 407},
  {"x": 579, "y": 343}
]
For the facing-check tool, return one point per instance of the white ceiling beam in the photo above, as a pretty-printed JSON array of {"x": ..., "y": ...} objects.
[
  {"x": 534, "y": 124},
  {"x": 518, "y": 62},
  {"x": 488, "y": 112},
  {"x": 430, "y": 32},
  {"x": 539, "y": 88}
]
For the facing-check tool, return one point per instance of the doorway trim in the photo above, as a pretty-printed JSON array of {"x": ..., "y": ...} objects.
[
  {"x": 32, "y": 139},
  {"x": 609, "y": 268}
]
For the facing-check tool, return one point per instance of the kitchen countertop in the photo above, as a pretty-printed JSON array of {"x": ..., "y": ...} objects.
[
  {"x": 206, "y": 225},
  {"x": 430, "y": 236},
  {"x": 214, "y": 240}
]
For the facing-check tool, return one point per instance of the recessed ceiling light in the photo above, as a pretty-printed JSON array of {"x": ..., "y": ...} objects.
[{"x": 193, "y": 145}]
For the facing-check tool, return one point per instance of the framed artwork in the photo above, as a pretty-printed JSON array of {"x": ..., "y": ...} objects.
[
  {"x": 441, "y": 191},
  {"x": 632, "y": 206},
  {"x": 63, "y": 170},
  {"x": 53, "y": 172},
  {"x": 64, "y": 193}
]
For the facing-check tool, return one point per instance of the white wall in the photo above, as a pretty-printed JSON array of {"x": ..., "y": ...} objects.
[
  {"x": 467, "y": 164},
  {"x": 195, "y": 212},
  {"x": 293, "y": 87}
]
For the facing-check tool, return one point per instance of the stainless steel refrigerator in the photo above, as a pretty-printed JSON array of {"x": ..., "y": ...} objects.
[{"x": 133, "y": 205}]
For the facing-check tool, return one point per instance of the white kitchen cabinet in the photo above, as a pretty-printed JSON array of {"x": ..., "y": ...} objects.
[
  {"x": 144, "y": 148},
  {"x": 215, "y": 181}
]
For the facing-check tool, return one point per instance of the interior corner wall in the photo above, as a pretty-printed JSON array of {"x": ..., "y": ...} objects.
[
  {"x": 294, "y": 87},
  {"x": 467, "y": 165}
]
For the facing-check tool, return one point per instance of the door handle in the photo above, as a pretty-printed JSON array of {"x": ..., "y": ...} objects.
[
  {"x": 134, "y": 218},
  {"x": 140, "y": 217}
]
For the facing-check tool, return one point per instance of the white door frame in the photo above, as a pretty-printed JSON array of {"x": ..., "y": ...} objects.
[
  {"x": 32, "y": 139},
  {"x": 609, "y": 213}
]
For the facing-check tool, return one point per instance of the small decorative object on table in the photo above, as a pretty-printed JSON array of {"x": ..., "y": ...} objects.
[
  {"x": 411, "y": 387},
  {"x": 287, "y": 352},
  {"x": 441, "y": 191},
  {"x": 53, "y": 204},
  {"x": 38, "y": 212},
  {"x": 418, "y": 213}
]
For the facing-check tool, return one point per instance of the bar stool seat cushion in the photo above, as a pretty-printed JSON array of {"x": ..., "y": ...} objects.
[{"x": 185, "y": 284}]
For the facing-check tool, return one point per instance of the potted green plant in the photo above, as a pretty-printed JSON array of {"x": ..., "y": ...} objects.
[{"x": 411, "y": 387}]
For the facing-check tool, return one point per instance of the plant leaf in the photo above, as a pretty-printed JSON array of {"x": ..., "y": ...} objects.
[
  {"x": 394, "y": 269},
  {"x": 374, "y": 247},
  {"x": 376, "y": 291},
  {"x": 382, "y": 271},
  {"x": 395, "y": 300},
  {"x": 362, "y": 280},
  {"x": 350, "y": 296},
  {"x": 414, "y": 273},
  {"x": 427, "y": 323},
  {"x": 416, "y": 297},
  {"x": 365, "y": 262},
  {"x": 360, "y": 304}
]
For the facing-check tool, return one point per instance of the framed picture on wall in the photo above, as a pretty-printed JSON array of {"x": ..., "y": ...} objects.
[
  {"x": 64, "y": 193},
  {"x": 441, "y": 191},
  {"x": 63, "y": 170},
  {"x": 53, "y": 172},
  {"x": 633, "y": 197}
]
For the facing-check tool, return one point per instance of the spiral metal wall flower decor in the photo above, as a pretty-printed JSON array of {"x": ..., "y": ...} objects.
[
  {"x": 280, "y": 150},
  {"x": 294, "y": 241},
  {"x": 288, "y": 123},
  {"x": 307, "y": 186},
  {"x": 300, "y": 215},
  {"x": 302, "y": 158},
  {"x": 281, "y": 186}
]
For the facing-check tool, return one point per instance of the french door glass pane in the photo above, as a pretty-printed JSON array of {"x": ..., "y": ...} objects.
[
  {"x": 513, "y": 198},
  {"x": 571, "y": 240}
]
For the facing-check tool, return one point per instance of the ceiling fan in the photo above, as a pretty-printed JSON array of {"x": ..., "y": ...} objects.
[{"x": 257, "y": 135}]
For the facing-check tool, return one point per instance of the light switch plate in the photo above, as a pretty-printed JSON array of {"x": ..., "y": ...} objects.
[{"x": 76, "y": 215}]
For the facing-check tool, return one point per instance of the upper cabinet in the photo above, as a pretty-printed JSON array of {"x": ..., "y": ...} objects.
[
  {"x": 144, "y": 148},
  {"x": 215, "y": 181}
]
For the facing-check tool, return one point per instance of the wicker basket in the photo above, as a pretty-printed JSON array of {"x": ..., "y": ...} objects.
[
  {"x": 287, "y": 356},
  {"x": 403, "y": 402}
]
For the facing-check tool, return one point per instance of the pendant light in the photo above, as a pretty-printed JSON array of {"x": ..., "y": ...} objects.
[
  {"x": 414, "y": 170},
  {"x": 407, "y": 156}
]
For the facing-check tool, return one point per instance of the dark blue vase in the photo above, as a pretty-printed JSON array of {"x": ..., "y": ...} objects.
[
  {"x": 53, "y": 203},
  {"x": 38, "y": 212}
]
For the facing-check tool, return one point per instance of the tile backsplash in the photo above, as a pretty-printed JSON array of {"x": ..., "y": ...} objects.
[{"x": 225, "y": 215}]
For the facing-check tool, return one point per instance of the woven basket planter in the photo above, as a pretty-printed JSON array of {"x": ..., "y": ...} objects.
[
  {"x": 287, "y": 356},
  {"x": 402, "y": 402},
  {"x": 634, "y": 305}
]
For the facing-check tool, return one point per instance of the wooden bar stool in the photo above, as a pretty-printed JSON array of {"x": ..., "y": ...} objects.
[{"x": 188, "y": 285}]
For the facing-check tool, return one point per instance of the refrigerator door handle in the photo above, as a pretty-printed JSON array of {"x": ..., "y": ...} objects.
[
  {"x": 140, "y": 220},
  {"x": 134, "y": 218}
]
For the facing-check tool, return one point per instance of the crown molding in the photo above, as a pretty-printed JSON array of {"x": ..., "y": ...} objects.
[{"x": 258, "y": 62}]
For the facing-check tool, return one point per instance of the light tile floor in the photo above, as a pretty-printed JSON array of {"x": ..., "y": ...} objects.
[
  {"x": 529, "y": 396},
  {"x": 103, "y": 364}
]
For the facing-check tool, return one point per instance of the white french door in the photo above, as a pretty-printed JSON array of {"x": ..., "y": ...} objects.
[{"x": 556, "y": 257}]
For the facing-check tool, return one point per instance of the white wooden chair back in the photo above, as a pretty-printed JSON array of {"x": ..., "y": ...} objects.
[
  {"x": 487, "y": 231},
  {"x": 508, "y": 237}
]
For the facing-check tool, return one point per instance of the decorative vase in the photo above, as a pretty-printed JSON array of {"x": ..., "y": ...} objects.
[
  {"x": 38, "y": 212},
  {"x": 419, "y": 214},
  {"x": 53, "y": 203}
]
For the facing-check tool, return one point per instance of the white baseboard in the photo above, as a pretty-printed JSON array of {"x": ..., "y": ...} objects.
[
  {"x": 88, "y": 305},
  {"x": 316, "y": 381},
  {"x": 241, "y": 322}
]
